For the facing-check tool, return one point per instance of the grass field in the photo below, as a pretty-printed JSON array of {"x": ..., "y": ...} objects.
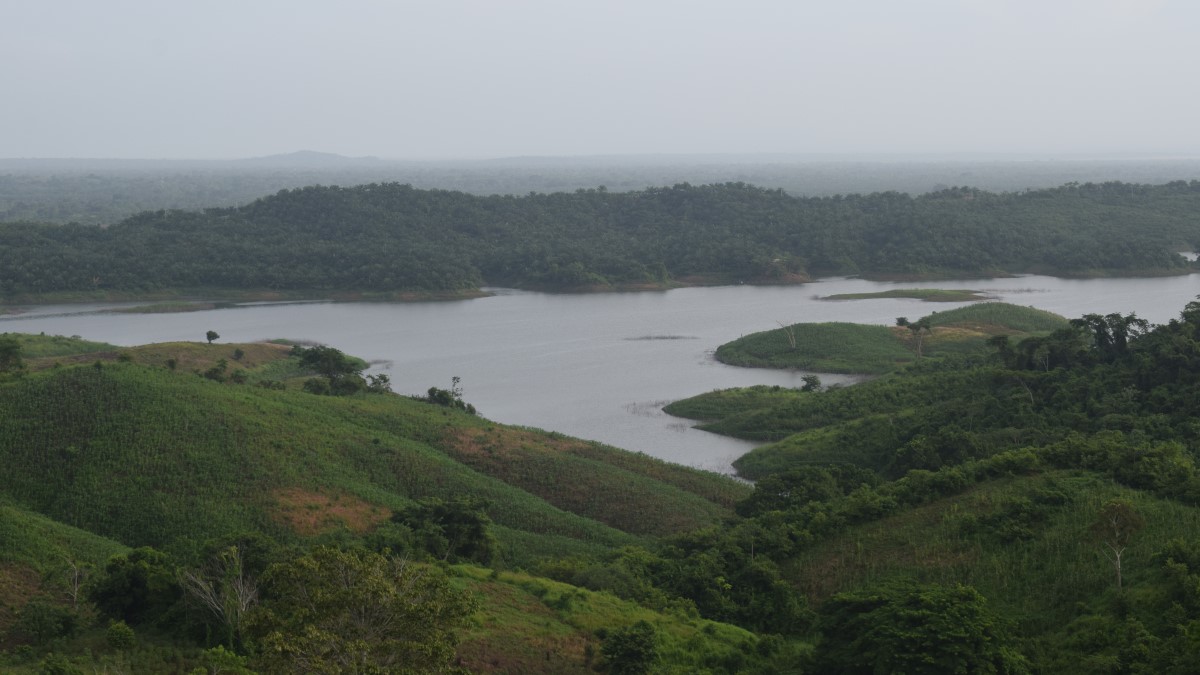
[{"x": 873, "y": 350}]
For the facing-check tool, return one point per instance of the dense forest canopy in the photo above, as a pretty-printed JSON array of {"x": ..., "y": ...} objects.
[{"x": 391, "y": 237}]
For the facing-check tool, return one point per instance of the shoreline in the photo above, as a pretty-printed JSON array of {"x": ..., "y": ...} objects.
[{"x": 183, "y": 300}]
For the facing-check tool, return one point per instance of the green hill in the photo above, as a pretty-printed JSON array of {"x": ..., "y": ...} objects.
[
  {"x": 863, "y": 349},
  {"x": 148, "y": 456},
  {"x": 389, "y": 239},
  {"x": 160, "y": 446},
  {"x": 1031, "y": 506}
]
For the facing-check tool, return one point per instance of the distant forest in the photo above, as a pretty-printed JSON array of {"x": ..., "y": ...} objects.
[
  {"x": 103, "y": 192},
  {"x": 393, "y": 237}
]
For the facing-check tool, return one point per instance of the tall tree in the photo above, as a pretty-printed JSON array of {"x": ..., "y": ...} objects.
[{"x": 1113, "y": 529}]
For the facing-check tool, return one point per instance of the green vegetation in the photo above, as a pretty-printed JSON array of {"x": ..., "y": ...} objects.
[
  {"x": 873, "y": 350},
  {"x": 99, "y": 192},
  {"x": 821, "y": 347},
  {"x": 143, "y": 446},
  {"x": 168, "y": 307},
  {"x": 1031, "y": 504},
  {"x": 391, "y": 239},
  {"x": 925, "y": 294},
  {"x": 44, "y": 346}
]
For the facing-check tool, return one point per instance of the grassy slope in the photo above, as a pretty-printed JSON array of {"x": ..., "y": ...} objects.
[
  {"x": 149, "y": 455},
  {"x": 146, "y": 456},
  {"x": 529, "y": 624},
  {"x": 857, "y": 348},
  {"x": 34, "y": 553}
]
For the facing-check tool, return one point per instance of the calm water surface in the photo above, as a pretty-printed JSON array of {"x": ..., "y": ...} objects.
[{"x": 595, "y": 366}]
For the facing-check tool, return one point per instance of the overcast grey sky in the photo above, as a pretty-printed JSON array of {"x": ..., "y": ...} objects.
[{"x": 475, "y": 78}]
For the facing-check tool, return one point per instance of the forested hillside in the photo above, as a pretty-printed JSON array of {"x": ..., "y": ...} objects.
[
  {"x": 388, "y": 238},
  {"x": 1055, "y": 476},
  {"x": 1027, "y": 503},
  {"x": 102, "y": 192},
  {"x": 139, "y": 467}
]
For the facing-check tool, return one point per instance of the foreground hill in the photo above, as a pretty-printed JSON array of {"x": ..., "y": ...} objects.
[
  {"x": 166, "y": 446},
  {"x": 1041, "y": 497},
  {"x": 1017, "y": 507},
  {"x": 153, "y": 456},
  {"x": 389, "y": 238}
]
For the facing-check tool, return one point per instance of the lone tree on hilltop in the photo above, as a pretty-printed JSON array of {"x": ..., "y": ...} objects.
[
  {"x": 917, "y": 328},
  {"x": 211, "y": 335}
]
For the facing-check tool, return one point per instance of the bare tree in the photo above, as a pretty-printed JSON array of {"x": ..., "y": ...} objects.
[
  {"x": 1114, "y": 527},
  {"x": 76, "y": 573},
  {"x": 917, "y": 328},
  {"x": 790, "y": 332},
  {"x": 223, "y": 588}
]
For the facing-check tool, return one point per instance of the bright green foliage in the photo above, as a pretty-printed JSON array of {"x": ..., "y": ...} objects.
[
  {"x": 120, "y": 636},
  {"x": 631, "y": 650},
  {"x": 37, "y": 541},
  {"x": 338, "y": 611},
  {"x": 914, "y": 629},
  {"x": 552, "y": 627},
  {"x": 221, "y": 661}
]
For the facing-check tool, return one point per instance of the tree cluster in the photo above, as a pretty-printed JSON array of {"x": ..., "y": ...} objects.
[{"x": 390, "y": 237}]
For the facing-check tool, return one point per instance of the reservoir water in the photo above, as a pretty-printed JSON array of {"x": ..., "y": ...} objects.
[{"x": 596, "y": 366}]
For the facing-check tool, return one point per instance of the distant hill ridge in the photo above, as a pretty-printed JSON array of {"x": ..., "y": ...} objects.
[{"x": 388, "y": 237}]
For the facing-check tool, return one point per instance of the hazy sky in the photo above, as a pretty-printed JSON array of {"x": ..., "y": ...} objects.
[{"x": 476, "y": 78}]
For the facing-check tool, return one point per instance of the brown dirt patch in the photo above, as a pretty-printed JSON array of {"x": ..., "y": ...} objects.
[
  {"x": 309, "y": 513},
  {"x": 498, "y": 442},
  {"x": 18, "y": 584}
]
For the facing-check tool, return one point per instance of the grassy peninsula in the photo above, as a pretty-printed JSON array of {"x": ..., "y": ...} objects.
[
  {"x": 924, "y": 294},
  {"x": 873, "y": 350}
]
